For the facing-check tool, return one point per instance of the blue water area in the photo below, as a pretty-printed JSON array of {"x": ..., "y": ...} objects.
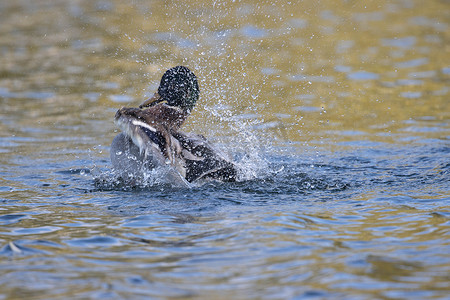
[{"x": 370, "y": 220}]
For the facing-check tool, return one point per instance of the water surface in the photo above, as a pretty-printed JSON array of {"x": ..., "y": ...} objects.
[{"x": 337, "y": 113}]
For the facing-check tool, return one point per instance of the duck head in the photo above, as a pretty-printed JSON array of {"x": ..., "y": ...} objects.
[{"x": 178, "y": 88}]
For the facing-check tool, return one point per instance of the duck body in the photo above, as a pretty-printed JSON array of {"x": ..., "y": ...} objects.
[{"x": 151, "y": 138}]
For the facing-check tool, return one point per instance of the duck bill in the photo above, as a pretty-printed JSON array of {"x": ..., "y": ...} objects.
[{"x": 155, "y": 99}]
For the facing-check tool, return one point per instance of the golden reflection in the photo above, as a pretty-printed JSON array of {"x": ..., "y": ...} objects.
[{"x": 320, "y": 72}]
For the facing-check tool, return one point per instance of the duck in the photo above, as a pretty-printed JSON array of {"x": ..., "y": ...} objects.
[{"x": 150, "y": 136}]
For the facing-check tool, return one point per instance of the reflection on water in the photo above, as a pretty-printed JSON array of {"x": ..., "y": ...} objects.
[{"x": 337, "y": 110}]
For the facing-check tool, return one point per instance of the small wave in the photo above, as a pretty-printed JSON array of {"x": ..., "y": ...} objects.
[{"x": 158, "y": 177}]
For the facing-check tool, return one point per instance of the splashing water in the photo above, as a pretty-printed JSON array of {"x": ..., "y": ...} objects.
[
  {"x": 243, "y": 147},
  {"x": 231, "y": 131}
]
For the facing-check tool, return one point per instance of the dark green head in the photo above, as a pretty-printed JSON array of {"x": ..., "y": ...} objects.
[{"x": 179, "y": 87}]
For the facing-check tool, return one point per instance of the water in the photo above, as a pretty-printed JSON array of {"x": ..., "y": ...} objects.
[{"x": 336, "y": 111}]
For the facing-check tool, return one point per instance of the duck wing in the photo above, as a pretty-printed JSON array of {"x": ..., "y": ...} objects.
[
  {"x": 140, "y": 148},
  {"x": 203, "y": 160}
]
